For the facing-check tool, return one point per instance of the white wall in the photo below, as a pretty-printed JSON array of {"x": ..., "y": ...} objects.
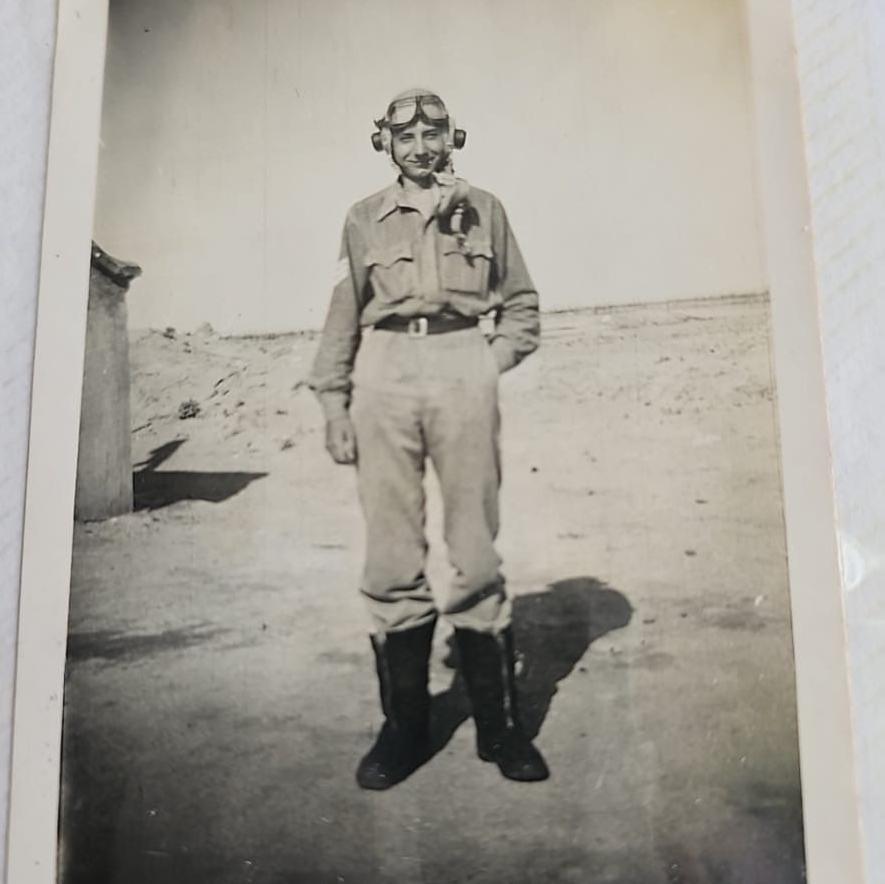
[{"x": 236, "y": 134}]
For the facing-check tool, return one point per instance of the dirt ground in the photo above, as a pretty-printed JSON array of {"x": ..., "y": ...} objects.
[{"x": 220, "y": 687}]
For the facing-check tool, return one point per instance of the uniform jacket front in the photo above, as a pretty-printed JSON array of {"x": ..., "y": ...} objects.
[{"x": 396, "y": 261}]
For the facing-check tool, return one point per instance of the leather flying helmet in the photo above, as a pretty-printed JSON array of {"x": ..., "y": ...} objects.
[{"x": 408, "y": 107}]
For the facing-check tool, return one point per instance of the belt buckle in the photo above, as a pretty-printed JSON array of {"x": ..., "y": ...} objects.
[{"x": 418, "y": 327}]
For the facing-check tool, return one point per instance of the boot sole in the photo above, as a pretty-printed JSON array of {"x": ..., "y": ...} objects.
[
  {"x": 377, "y": 785},
  {"x": 516, "y": 777},
  {"x": 380, "y": 785}
]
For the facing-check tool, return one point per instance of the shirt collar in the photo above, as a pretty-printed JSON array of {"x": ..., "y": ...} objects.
[{"x": 394, "y": 197}]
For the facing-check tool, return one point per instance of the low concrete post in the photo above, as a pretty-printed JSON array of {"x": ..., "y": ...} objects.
[{"x": 104, "y": 465}]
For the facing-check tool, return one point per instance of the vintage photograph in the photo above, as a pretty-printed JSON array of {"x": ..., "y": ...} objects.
[{"x": 429, "y": 522}]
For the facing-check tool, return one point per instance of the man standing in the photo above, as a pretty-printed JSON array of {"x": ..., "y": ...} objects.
[{"x": 404, "y": 374}]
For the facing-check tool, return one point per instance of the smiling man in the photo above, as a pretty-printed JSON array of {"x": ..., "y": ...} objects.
[{"x": 404, "y": 375}]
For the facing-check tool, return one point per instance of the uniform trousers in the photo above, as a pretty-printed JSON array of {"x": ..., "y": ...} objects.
[{"x": 414, "y": 399}]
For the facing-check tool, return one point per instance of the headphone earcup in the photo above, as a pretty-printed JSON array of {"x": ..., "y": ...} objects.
[
  {"x": 459, "y": 138},
  {"x": 377, "y": 143}
]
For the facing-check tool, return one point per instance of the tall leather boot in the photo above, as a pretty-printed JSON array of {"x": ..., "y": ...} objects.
[
  {"x": 487, "y": 663},
  {"x": 402, "y": 660}
]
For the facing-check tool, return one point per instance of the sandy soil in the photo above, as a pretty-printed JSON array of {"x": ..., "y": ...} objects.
[{"x": 220, "y": 686}]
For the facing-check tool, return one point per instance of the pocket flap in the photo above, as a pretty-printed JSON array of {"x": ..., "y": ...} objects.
[
  {"x": 481, "y": 248},
  {"x": 386, "y": 257}
]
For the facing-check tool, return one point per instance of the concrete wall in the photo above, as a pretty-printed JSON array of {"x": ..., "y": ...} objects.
[
  {"x": 236, "y": 134},
  {"x": 104, "y": 462}
]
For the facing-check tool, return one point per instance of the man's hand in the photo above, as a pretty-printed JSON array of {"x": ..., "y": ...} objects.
[{"x": 341, "y": 440}]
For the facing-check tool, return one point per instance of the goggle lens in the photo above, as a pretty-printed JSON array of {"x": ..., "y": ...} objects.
[{"x": 405, "y": 111}]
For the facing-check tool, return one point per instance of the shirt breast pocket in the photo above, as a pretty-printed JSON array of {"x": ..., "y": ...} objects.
[
  {"x": 467, "y": 271},
  {"x": 392, "y": 272}
]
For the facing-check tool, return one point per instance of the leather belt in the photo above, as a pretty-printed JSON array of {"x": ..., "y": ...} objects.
[{"x": 419, "y": 326}]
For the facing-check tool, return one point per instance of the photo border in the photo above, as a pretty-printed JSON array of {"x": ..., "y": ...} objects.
[
  {"x": 77, "y": 85},
  {"x": 832, "y": 829}
]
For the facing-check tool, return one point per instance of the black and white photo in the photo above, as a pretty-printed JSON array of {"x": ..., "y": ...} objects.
[{"x": 429, "y": 419}]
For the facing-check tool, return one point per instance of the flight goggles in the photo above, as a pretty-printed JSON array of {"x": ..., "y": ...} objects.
[{"x": 404, "y": 112}]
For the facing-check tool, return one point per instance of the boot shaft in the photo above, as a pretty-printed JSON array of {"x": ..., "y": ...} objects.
[
  {"x": 402, "y": 662},
  {"x": 488, "y": 667}
]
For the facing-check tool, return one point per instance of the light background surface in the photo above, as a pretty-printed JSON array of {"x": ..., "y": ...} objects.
[
  {"x": 26, "y": 47},
  {"x": 854, "y": 357},
  {"x": 842, "y": 64},
  {"x": 635, "y": 181}
]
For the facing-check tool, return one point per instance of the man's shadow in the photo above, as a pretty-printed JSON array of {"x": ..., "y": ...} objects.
[{"x": 552, "y": 631}]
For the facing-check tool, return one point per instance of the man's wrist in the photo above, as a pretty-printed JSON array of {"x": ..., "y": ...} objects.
[
  {"x": 503, "y": 353},
  {"x": 334, "y": 405}
]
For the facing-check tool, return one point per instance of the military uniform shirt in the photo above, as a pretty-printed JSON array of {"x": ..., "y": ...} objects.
[{"x": 396, "y": 261}]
